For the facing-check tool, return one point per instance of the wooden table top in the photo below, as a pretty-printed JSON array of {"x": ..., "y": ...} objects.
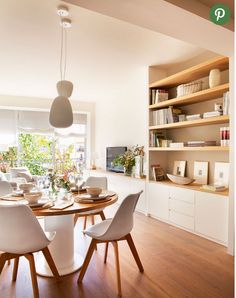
[{"x": 75, "y": 208}]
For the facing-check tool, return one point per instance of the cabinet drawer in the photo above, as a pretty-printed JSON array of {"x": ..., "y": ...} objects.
[
  {"x": 158, "y": 204},
  {"x": 181, "y": 207},
  {"x": 182, "y": 194},
  {"x": 212, "y": 216},
  {"x": 181, "y": 220}
]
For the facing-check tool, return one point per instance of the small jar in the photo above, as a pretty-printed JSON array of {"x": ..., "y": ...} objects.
[{"x": 214, "y": 78}]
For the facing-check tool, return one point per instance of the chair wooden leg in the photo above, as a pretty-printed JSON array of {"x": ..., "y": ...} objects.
[
  {"x": 92, "y": 219},
  {"x": 75, "y": 219},
  {"x": 87, "y": 260},
  {"x": 134, "y": 252},
  {"x": 2, "y": 262},
  {"x": 50, "y": 261},
  {"x": 106, "y": 251},
  {"x": 30, "y": 258},
  {"x": 85, "y": 222},
  {"x": 102, "y": 215},
  {"x": 8, "y": 262},
  {"x": 115, "y": 244},
  {"x": 15, "y": 269}
]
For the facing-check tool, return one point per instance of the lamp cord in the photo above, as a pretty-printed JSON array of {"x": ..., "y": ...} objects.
[{"x": 63, "y": 51}]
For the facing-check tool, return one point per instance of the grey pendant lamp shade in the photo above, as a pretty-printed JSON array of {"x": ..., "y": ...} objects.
[{"x": 61, "y": 115}]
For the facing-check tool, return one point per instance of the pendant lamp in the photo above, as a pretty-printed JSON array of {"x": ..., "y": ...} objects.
[{"x": 61, "y": 115}]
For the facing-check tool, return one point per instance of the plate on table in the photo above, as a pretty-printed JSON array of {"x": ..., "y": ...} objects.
[
  {"x": 40, "y": 203},
  {"x": 102, "y": 196},
  {"x": 17, "y": 193}
]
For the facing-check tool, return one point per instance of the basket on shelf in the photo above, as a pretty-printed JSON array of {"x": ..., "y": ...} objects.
[{"x": 189, "y": 88}]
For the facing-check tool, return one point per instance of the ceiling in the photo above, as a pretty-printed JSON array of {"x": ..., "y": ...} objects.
[{"x": 101, "y": 50}]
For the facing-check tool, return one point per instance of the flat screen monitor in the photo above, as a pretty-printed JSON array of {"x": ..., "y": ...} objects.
[{"x": 111, "y": 154}]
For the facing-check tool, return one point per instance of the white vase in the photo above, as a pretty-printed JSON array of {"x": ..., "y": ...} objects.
[{"x": 214, "y": 77}]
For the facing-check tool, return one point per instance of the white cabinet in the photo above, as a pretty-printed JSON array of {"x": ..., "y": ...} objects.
[
  {"x": 181, "y": 207},
  {"x": 158, "y": 196},
  {"x": 136, "y": 186},
  {"x": 205, "y": 214},
  {"x": 123, "y": 186},
  {"x": 211, "y": 217}
]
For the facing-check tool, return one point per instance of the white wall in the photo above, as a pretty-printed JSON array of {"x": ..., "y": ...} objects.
[{"x": 121, "y": 117}]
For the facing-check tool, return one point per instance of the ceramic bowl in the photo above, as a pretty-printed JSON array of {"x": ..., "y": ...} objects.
[
  {"x": 94, "y": 191},
  {"x": 32, "y": 197},
  {"x": 179, "y": 179},
  {"x": 26, "y": 187}
]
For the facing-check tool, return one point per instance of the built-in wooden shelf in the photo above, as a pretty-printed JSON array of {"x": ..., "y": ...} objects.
[
  {"x": 192, "y": 186},
  {"x": 193, "y": 73},
  {"x": 205, "y": 148},
  {"x": 196, "y": 97},
  {"x": 192, "y": 123}
]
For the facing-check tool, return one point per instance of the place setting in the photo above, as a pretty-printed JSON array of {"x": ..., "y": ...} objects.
[{"x": 93, "y": 195}]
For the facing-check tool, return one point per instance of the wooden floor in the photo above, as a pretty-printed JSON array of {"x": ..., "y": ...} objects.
[{"x": 176, "y": 264}]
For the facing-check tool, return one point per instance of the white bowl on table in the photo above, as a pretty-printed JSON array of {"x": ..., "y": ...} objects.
[
  {"x": 26, "y": 187},
  {"x": 94, "y": 191},
  {"x": 179, "y": 179},
  {"x": 33, "y": 197}
]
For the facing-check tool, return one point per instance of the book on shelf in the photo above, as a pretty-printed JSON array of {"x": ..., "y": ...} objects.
[
  {"x": 165, "y": 116},
  {"x": 214, "y": 187},
  {"x": 177, "y": 144},
  {"x": 193, "y": 117},
  {"x": 158, "y": 95},
  {"x": 156, "y": 137},
  {"x": 226, "y": 103},
  {"x": 200, "y": 143},
  {"x": 225, "y": 136},
  {"x": 212, "y": 114}
]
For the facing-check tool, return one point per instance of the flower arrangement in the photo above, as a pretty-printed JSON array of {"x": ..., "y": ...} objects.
[
  {"x": 127, "y": 160},
  {"x": 64, "y": 181}
]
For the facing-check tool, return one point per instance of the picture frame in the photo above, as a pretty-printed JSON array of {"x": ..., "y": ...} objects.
[
  {"x": 200, "y": 172},
  {"x": 221, "y": 173},
  {"x": 179, "y": 168},
  {"x": 158, "y": 173}
]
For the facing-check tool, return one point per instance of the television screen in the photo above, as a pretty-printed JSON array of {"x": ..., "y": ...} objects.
[{"x": 111, "y": 154}]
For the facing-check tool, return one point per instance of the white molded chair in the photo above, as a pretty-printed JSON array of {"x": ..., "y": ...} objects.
[
  {"x": 114, "y": 230},
  {"x": 93, "y": 182},
  {"x": 5, "y": 188},
  {"x": 22, "y": 235}
]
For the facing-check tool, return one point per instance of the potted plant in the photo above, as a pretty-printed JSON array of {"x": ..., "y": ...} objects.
[{"x": 127, "y": 160}]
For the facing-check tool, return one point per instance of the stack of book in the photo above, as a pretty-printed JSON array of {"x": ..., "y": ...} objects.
[
  {"x": 193, "y": 117},
  {"x": 226, "y": 103},
  {"x": 224, "y": 136},
  {"x": 212, "y": 114},
  {"x": 200, "y": 143},
  {"x": 156, "y": 138},
  {"x": 158, "y": 95},
  {"x": 214, "y": 187},
  {"x": 177, "y": 144},
  {"x": 165, "y": 116}
]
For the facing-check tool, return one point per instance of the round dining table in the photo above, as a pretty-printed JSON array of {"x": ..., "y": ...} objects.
[{"x": 62, "y": 247}]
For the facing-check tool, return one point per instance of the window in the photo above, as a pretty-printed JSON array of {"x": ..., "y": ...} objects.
[{"x": 39, "y": 146}]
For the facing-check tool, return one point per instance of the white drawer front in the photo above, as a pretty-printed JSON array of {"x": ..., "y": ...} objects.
[
  {"x": 182, "y": 220},
  {"x": 182, "y": 194},
  {"x": 212, "y": 215},
  {"x": 181, "y": 207}
]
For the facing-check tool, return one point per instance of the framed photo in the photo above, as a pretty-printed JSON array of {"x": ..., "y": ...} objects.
[
  {"x": 179, "y": 168},
  {"x": 221, "y": 175},
  {"x": 158, "y": 173},
  {"x": 200, "y": 172}
]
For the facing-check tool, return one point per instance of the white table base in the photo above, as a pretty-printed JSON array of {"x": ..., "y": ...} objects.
[{"x": 61, "y": 248}]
